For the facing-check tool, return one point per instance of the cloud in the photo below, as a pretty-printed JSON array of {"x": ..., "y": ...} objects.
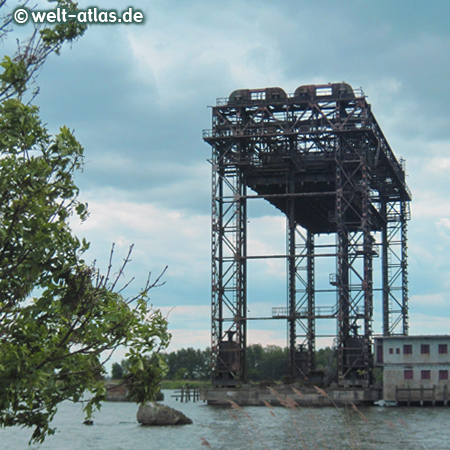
[
  {"x": 443, "y": 225},
  {"x": 137, "y": 99},
  {"x": 190, "y": 315},
  {"x": 430, "y": 300},
  {"x": 429, "y": 324},
  {"x": 189, "y": 326},
  {"x": 182, "y": 338},
  {"x": 170, "y": 185},
  {"x": 201, "y": 52},
  {"x": 161, "y": 237},
  {"x": 266, "y": 337}
]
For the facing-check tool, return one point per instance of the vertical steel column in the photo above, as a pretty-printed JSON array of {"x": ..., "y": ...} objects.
[
  {"x": 301, "y": 300},
  {"x": 292, "y": 275},
  {"x": 367, "y": 283},
  {"x": 395, "y": 268},
  {"x": 216, "y": 260},
  {"x": 342, "y": 284},
  {"x": 354, "y": 262},
  {"x": 241, "y": 294},
  {"x": 342, "y": 276},
  {"x": 405, "y": 216},
  {"x": 311, "y": 365},
  {"x": 229, "y": 260},
  {"x": 385, "y": 268},
  {"x": 300, "y": 257}
]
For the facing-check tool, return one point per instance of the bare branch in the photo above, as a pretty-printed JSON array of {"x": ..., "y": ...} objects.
[
  {"x": 106, "y": 277},
  {"x": 122, "y": 268}
]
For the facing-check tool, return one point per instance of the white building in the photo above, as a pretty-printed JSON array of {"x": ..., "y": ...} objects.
[{"x": 415, "y": 368}]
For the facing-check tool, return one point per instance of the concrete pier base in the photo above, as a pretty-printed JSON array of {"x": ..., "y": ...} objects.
[{"x": 286, "y": 395}]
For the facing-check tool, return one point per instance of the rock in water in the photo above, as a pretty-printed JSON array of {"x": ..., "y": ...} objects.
[{"x": 160, "y": 415}]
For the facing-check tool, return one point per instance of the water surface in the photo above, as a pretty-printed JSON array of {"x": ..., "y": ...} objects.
[{"x": 116, "y": 428}]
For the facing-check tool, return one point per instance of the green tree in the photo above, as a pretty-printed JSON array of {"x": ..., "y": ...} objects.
[
  {"x": 189, "y": 363},
  {"x": 268, "y": 363},
  {"x": 255, "y": 354},
  {"x": 60, "y": 319},
  {"x": 116, "y": 371}
]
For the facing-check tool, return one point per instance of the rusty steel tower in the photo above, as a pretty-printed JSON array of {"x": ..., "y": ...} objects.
[{"x": 320, "y": 157}]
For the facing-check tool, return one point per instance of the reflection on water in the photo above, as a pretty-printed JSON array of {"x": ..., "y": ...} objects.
[{"x": 116, "y": 428}]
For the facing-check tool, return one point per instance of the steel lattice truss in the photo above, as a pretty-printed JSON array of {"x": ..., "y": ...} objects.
[{"x": 320, "y": 157}]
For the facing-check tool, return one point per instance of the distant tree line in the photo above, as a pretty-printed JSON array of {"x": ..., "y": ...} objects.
[{"x": 263, "y": 363}]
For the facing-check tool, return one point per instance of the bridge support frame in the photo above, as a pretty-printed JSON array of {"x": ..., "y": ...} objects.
[{"x": 320, "y": 157}]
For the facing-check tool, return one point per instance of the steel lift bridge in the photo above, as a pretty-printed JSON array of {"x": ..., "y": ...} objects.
[{"x": 320, "y": 157}]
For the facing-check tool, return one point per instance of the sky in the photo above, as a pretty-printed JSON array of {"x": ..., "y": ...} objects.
[{"x": 137, "y": 98}]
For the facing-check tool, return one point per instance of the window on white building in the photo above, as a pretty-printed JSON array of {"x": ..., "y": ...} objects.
[{"x": 425, "y": 349}]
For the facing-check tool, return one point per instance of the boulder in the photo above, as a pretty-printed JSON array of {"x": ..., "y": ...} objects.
[{"x": 160, "y": 415}]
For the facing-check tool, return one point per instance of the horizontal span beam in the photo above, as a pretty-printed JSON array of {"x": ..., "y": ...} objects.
[
  {"x": 300, "y": 255},
  {"x": 295, "y": 316},
  {"x": 286, "y": 195}
]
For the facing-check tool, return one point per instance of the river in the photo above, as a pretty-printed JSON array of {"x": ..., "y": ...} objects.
[{"x": 115, "y": 428}]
